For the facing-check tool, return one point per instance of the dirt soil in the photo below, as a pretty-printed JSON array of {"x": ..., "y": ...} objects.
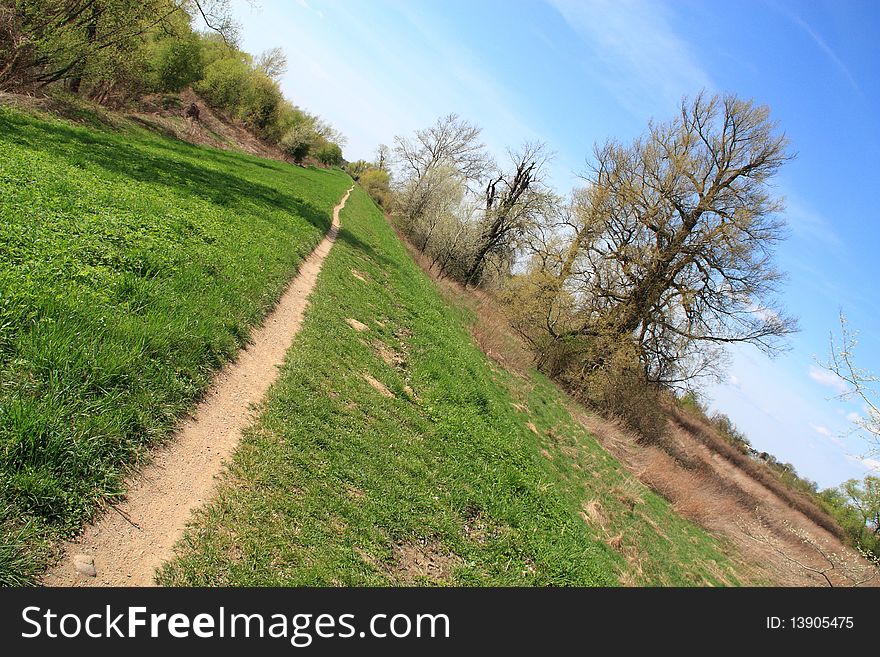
[{"x": 131, "y": 539}]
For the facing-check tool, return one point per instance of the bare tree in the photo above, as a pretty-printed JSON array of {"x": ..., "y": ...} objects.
[
  {"x": 674, "y": 241},
  {"x": 383, "y": 154},
  {"x": 327, "y": 132},
  {"x": 437, "y": 168},
  {"x": 820, "y": 562},
  {"x": 430, "y": 202},
  {"x": 450, "y": 142},
  {"x": 273, "y": 62},
  {"x": 863, "y": 385},
  {"x": 515, "y": 199}
]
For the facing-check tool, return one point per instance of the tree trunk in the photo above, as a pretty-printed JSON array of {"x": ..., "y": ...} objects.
[{"x": 91, "y": 35}]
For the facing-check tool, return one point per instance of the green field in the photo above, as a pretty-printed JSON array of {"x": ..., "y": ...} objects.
[
  {"x": 399, "y": 454},
  {"x": 131, "y": 267}
]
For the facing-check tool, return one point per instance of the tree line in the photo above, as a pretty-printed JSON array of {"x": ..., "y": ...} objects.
[
  {"x": 118, "y": 51},
  {"x": 633, "y": 285},
  {"x": 636, "y": 281}
]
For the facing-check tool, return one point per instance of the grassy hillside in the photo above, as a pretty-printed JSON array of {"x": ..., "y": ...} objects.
[
  {"x": 392, "y": 451},
  {"x": 131, "y": 267}
]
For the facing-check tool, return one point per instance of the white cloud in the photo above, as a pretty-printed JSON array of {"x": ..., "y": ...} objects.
[
  {"x": 734, "y": 380},
  {"x": 825, "y": 432},
  {"x": 872, "y": 464},
  {"x": 822, "y": 430},
  {"x": 645, "y": 62},
  {"x": 853, "y": 417},
  {"x": 828, "y": 379}
]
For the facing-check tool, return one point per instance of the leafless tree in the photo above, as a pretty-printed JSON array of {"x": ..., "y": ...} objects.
[
  {"x": 450, "y": 142},
  {"x": 273, "y": 62},
  {"x": 383, "y": 154},
  {"x": 819, "y": 561},
  {"x": 863, "y": 385},
  {"x": 515, "y": 199}
]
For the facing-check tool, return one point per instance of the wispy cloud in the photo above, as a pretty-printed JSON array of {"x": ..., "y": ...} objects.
[
  {"x": 872, "y": 464},
  {"x": 305, "y": 5},
  {"x": 644, "y": 61},
  {"x": 822, "y": 430},
  {"x": 828, "y": 379},
  {"x": 825, "y": 432},
  {"x": 825, "y": 48},
  {"x": 811, "y": 225}
]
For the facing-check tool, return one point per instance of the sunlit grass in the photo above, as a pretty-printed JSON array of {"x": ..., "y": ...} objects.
[
  {"x": 400, "y": 455},
  {"x": 131, "y": 267}
]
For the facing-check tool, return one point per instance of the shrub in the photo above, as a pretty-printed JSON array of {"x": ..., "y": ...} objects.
[
  {"x": 297, "y": 142},
  {"x": 614, "y": 383},
  {"x": 329, "y": 154},
  {"x": 225, "y": 83},
  {"x": 355, "y": 169},
  {"x": 534, "y": 303},
  {"x": 376, "y": 183},
  {"x": 178, "y": 63},
  {"x": 260, "y": 106}
]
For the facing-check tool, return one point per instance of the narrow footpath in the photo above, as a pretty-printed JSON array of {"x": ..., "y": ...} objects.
[{"x": 133, "y": 538}]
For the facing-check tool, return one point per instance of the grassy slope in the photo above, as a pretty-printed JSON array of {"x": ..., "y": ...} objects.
[
  {"x": 131, "y": 267},
  {"x": 443, "y": 482}
]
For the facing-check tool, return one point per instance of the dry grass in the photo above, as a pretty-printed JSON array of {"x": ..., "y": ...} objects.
[
  {"x": 756, "y": 470},
  {"x": 155, "y": 114},
  {"x": 715, "y": 493}
]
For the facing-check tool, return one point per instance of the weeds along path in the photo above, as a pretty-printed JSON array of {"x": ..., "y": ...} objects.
[{"x": 133, "y": 538}]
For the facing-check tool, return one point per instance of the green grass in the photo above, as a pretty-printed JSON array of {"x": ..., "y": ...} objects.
[
  {"x": 441, "y": 483},
  {"x": 131, "y": 267}
]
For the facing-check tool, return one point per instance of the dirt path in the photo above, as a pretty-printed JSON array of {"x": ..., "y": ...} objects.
[{"x": 133, "y": 538}]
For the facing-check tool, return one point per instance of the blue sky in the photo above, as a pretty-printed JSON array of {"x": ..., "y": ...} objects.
[{"x": 573, "y": 72}]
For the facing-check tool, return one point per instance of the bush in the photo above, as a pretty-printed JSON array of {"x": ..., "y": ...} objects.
[
  {"x": 539, "y": 311},
  {"x": 376, "y": 183},
  {"x": 329, "y": 154},
  {"x": 225, "y": 83},
  {"x": 259, "y": 108},
  {"x": 297, "y": 142},
  {"x": 355, "y": 169},
  {"x": 178, "y": 63},
  {"x": 614, "y": 383}
]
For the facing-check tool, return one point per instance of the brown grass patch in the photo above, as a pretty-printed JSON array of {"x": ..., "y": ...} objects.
[
  {"x": 594, "y": 515},
  {"x": 416, "y": 562},
  {"x": 377, "y": 385},
  {"x": 615, "y": 542},
  {"x": 389, "y": 356},
  {"x": 354, "y": 492},
  {"x": 757, "y": 471},
  {"x": 356, "y": 325}
]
